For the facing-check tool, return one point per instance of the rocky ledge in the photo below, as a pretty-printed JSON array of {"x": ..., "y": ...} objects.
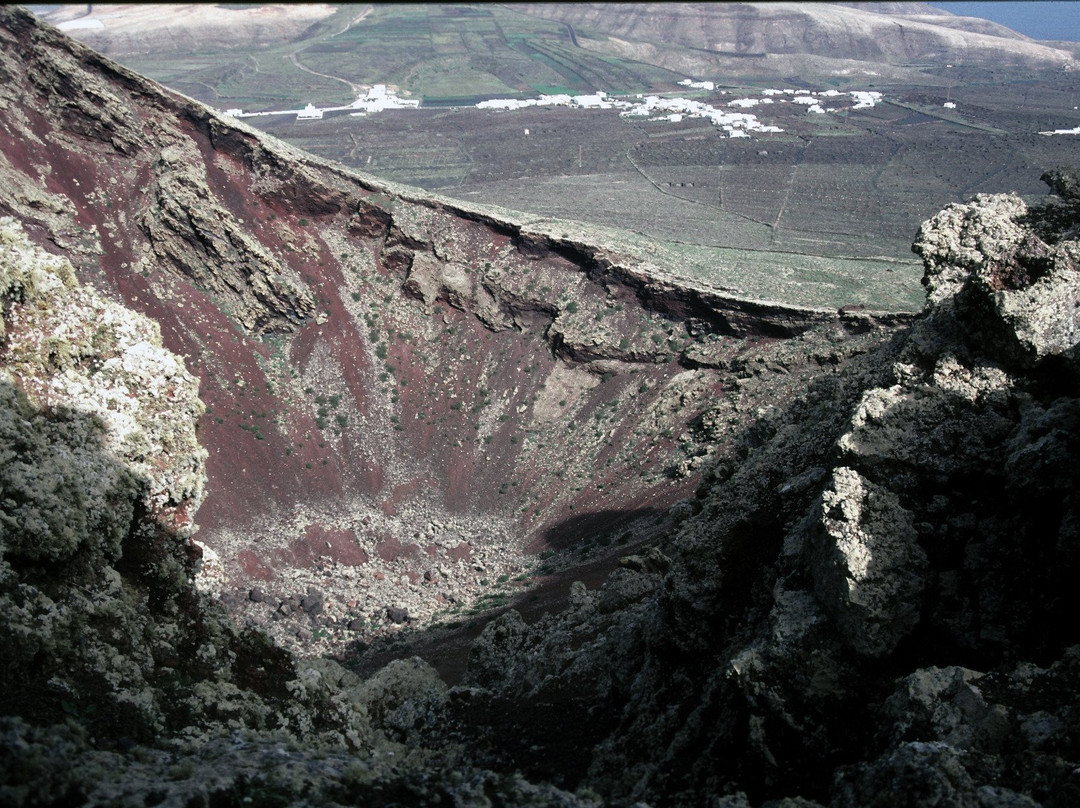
[{"x": 862, "y": 606}]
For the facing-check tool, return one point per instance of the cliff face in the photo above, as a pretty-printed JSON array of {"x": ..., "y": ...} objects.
[
  {"x": 865, "y": 608},
  {"x": 405, "y": 391},
  {"x": 860, "y": 606},
  {"x": 119, "y": 680}
]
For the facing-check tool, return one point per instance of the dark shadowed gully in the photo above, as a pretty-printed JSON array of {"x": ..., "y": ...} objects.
[{"x": 498, "y": 517}]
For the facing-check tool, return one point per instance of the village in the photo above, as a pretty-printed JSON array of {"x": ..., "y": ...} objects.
[
  {"x": 651, "y": 107},
  {"x": 376, "y": 99}
]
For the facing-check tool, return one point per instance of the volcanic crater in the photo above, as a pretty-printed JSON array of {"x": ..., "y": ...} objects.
[{"x": 415, "y": 408}]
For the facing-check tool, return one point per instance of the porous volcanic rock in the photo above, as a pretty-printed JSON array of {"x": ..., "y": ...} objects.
[{"x": 863, "y": 607}]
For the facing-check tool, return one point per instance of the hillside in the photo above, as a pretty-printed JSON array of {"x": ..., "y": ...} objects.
[
  {"x": 958, "y": 111},
  {"x": 793, "y": 38},
  {"x": 719, "y": 548},
  {"x": 687, "y": 38},
  {"x": 419, "y": 394}
]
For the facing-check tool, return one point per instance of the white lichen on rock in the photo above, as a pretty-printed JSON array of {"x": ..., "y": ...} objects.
[{"x": 69, "y": 348}]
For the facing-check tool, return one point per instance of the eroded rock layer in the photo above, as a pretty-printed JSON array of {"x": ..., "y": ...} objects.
[
  {"x": 866, "y": 602},
  {"x": 866, "y": 607},
  {"x": 405, "y": 397}
]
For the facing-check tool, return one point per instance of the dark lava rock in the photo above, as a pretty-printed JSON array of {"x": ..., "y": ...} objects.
[
  {"x": 313, "y": 603},
  {"x": 397, "y": 615}
]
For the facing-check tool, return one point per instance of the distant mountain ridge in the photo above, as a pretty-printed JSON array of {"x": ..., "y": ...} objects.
[
  {"x": 677, "y": 36},
  {"x": 889, "y": 33}
]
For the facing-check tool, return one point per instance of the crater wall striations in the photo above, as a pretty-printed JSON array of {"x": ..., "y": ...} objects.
[{"x": 400, "y": 390}]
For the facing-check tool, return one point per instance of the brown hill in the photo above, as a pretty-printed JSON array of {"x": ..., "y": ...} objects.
[
  {"x": 141, "y": 28},
  {"x": 780, "y": 39},
  {"x": 815, "y": 38}
]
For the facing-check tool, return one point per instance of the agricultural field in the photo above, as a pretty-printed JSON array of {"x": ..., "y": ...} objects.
[
  {"x": 852, "y": 183},
  {"x": 857, "y": 185}
]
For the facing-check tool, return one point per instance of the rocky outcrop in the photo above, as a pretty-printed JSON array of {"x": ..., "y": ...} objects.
[
  {"x": 119, "y": 680},
  {"x": 864, "y": 607},
  {"x": 101, "y": 475},
  {"x": 190, "y": 231}
]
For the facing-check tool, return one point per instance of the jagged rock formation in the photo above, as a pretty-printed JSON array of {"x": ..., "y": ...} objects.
[
  {"x": 862, "y": 605},
  {"x": 866, "y": 607}
]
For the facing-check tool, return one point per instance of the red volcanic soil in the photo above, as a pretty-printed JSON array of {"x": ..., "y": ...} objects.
[
  {"x": 340, "y": 545},
  {"x": 368, "y": 354},
  {"x": 391, "y": 549}
]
